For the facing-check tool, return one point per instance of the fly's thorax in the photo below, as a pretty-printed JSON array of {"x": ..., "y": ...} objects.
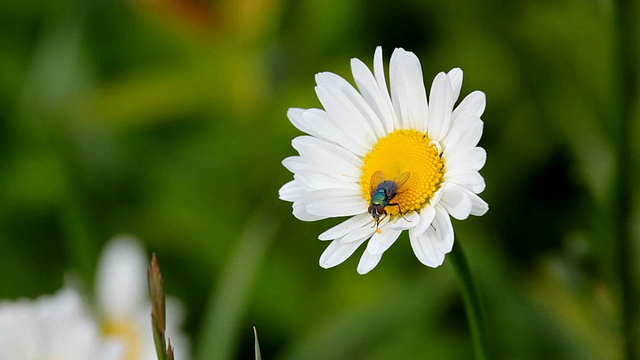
[{"x": 379, "y": 197}]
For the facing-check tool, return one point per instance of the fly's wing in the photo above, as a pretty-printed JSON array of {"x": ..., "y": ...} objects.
[
  {"x": 376, "y": 179},
  {"x": 401, "y": 179}
]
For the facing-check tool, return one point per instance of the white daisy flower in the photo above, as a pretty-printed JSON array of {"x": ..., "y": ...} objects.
[
  {"x": 53, "y": 327},
  {"x": 391, "y": 162},
  {"x": 122, "y": 299}
]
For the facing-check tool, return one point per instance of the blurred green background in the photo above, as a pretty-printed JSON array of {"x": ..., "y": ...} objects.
[{"x": 166, "y": 119}]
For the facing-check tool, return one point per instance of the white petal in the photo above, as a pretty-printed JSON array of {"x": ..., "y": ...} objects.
[
  {"x": 336, "y": 207},
  {"x": 335, "y": 202},
  {"x": 296, "y": 116},
  {"x": 317, "y": 176},
  {"x": 318, "y": 123},
  {"x": 467, "y": 178},
  {"x": 478, "y": 206},
  {"x": 473, "y": 158},
  {"x": 346, "y": 227},
  {"x": 380, "y": 242},
  {"x": 311, "y": 147},
  {"x": 291, "y": 191},
  {"x": 336, "y": 253},
  {"x": 455, "y": 201},
  {"x": 175, "y": 316},
  {"x": 472, "y": 105},
  {"x": 328, "y": 196},
  {"x": 301, "y": 213},
  {"x": 393, "y": 73},
  {"x": 318, "y": 181},
  {"x": 425, "y": 250},
  {"x": 343, "y": 112},
  {"x": 403, "y": 223},
  {"x": 368, "y": 261},
  {"x": 443, "y": 246},
  {"x": 440, "y": 106},
  {"x": 323, "y": 165},
  {"x": 378, "y": 72},
  {"x": 455, "y": 78},
  {"x": 321, "y": 161},
  {"x": 352, "y": 103},
  {"x": 436, "y": 197},
  {"x": 324, "y": 127},
  {"x": 300, "y": 201},
  {"x": 121, "y": 278},
  {"x": 55, "y": 326},
  {"x": 315, "y": 181},
  {"x": 464, "y": 135},
  {"x": 426, "y": 218},
  {"x": 407, "y": 90},
  {"x": 378, "y": 98},
  {"x": 364, "y": 232},
  {"x": 442, "y": 225},
  {"x": 330, "y": 166}
]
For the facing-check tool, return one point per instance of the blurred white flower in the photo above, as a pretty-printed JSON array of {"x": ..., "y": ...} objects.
[
  {"x": 56, "y": 327},
  {"x": 122, "y": 300},
  {"x": 390, "y": 160}
]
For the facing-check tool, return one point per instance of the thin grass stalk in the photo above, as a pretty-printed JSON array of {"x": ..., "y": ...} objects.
[
  {"x": 471, "y": 301},
  {"x": 626, "y": 82}
]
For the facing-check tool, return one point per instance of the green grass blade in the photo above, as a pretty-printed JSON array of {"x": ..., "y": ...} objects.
[{"x": 227, "y": 304}]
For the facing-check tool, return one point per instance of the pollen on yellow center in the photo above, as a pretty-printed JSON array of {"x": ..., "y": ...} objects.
[
  {"x": 124, "y": 331},
  {"x": 399, "y": 152}
]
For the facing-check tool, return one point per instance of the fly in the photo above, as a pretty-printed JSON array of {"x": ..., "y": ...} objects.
[{"x": 382, "y": 193}]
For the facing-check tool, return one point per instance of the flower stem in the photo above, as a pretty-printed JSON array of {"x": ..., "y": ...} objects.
[
  {"x": 627, "y": 50},
  {"x": 471, "y": 301}
]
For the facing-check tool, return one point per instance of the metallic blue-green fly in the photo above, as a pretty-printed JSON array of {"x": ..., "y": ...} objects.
[{"x": 382, "y": 192}]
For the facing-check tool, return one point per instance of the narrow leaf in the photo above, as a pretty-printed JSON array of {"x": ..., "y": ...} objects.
[{"x": 255, "y": 335}]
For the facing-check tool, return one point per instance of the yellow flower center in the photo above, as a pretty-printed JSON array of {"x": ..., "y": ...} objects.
[
  {"x": 124, "y": 331},
  {"x": 399, "y": 152}
]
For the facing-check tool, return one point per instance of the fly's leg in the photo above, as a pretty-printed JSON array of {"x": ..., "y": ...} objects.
[
  {"x": 377, "y": 221},
  {"x": 399, "y": 210}
]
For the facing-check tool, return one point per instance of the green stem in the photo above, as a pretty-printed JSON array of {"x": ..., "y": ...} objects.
[
  {"x": 626, "y": 82},
  {"x": 471, "y": 301},
  {"x": 228, "y": 302}
]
